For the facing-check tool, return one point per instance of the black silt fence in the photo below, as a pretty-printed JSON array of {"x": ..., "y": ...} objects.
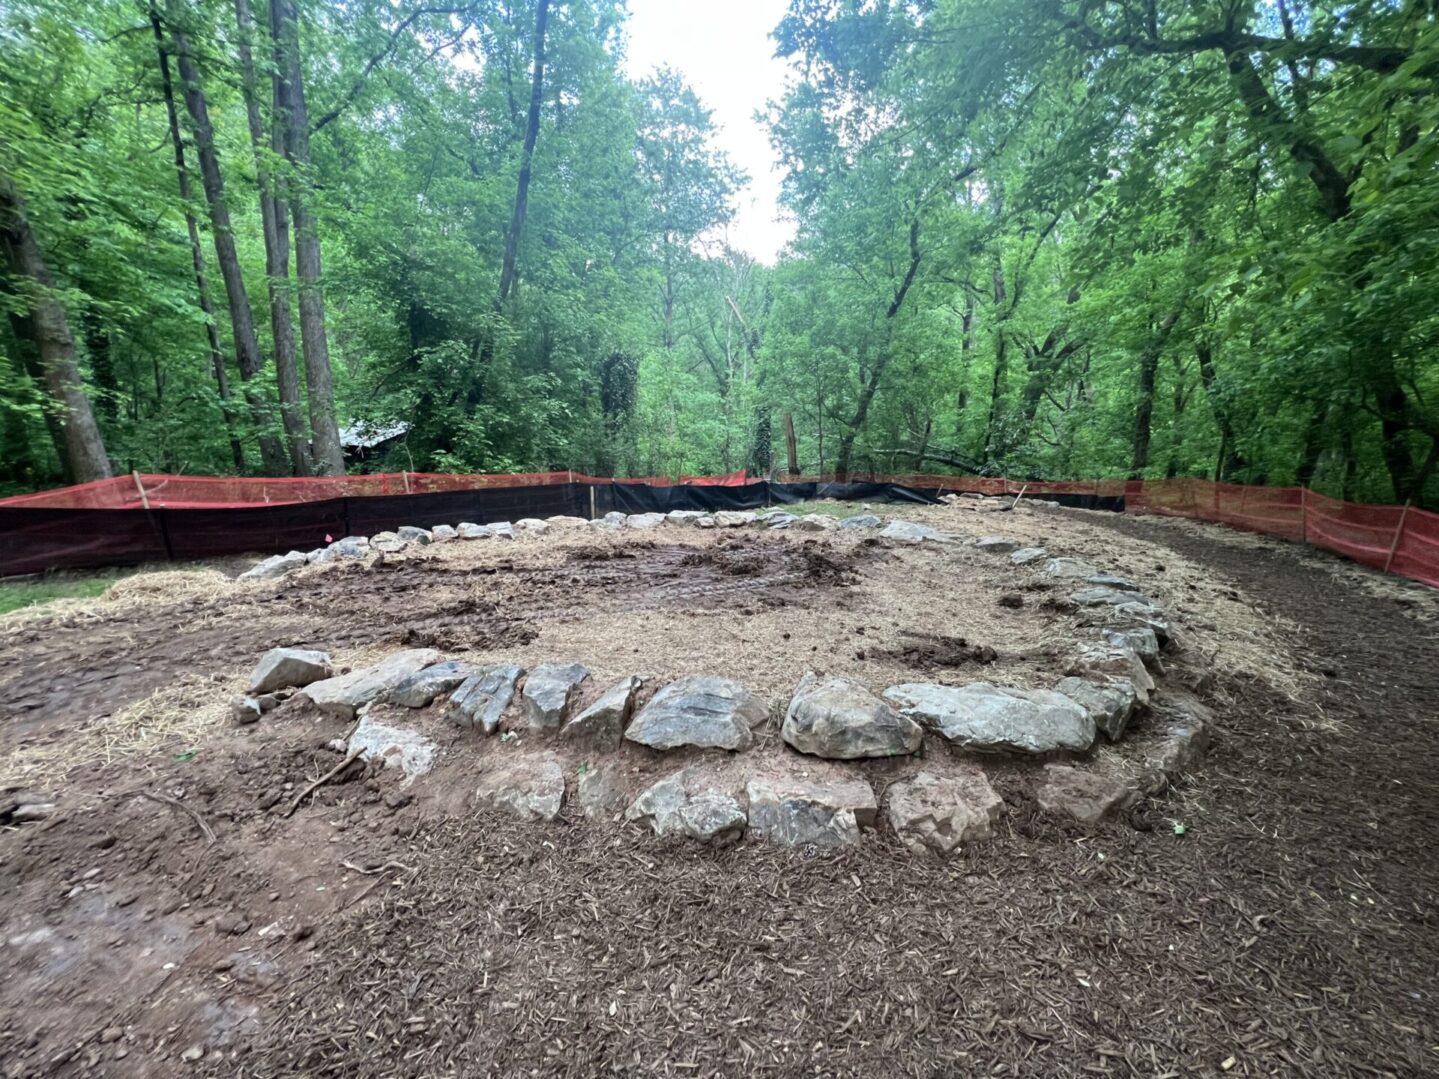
[{"x": 40, "y": 540}]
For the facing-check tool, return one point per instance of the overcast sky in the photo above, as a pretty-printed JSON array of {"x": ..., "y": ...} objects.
[{"x": 723, "y": 50}]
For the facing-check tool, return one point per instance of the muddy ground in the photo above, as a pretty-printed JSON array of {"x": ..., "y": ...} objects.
[{"x": 1275, "y": 915}]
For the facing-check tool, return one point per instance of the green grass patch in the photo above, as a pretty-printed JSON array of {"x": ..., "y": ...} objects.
[{"x": 32, "y": 590}]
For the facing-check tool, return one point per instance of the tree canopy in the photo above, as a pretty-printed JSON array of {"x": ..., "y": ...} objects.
[{"x": 1048, "y": 238}]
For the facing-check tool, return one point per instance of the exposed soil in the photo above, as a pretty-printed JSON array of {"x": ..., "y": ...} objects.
[
  {"x": 1289, "y": 930},
  {"x": 928, "y": 652}
]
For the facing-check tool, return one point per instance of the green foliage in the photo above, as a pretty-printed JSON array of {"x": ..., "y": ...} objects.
[{"x": 1055, "y": 240}]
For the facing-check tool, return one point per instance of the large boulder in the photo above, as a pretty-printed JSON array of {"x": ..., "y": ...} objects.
[
  {"x": 1142, "y": 640},
  {"x": 644, "y": 521},
  {"x": 481, "y": 699},
  {"x": 419, "y": 689},
  {"x": 839, "y": 718},
  {"x": 995, "y": 719},
  {"x": 689, "y": 804},
  {"x": 1110, "y": 702},
  {"x": 734, "y": 518},
  {"x": 469, "y": 530},
  {"x": 684, "y": 518},
  {"x": 938, "y": 813},
  {"x": 1142, "y": 614},
  {"x": 600, "y": 789},
  {"x": 443, "y": 533},
  {"x": 1113, "y": 661},
  {"x": 529, "y": 787},
  {"x": 601, "y": 726},
  {"x": 394, "y": 747},
  {"x": 531, "y": 526},
  {"x": 281, "y": 668},
  {"x": 909, "y": 532},
  {"x": 344, "y": 694},
  {"x": 550, "y": 693},
  {"x": 1184, "y": 729},
  {"x": 388, "y": 542},
  {"x": 703, "y": 711},
  {"x": 414, "y": 534},
  {"x": 823, "y": 813},
  {"x": 1085, "y": 795},
  {"x": 348, "y": 547},
  {"x": 275, "y": 566},
  {"x": 1104, "y": 596}
]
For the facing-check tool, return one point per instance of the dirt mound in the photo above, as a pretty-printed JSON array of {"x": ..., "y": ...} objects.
[{"x": 928, "y": 652}]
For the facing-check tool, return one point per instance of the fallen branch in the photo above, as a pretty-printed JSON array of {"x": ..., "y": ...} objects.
[
  {"x": 331, "y": 774},
  {"x": 205, "y": 829}
]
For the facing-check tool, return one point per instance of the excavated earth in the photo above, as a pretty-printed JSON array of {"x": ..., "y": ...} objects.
[{"x": 1272, "y": 913}]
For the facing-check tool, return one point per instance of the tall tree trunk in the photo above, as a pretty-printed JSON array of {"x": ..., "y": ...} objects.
[
  {"x": 1230, "y": 460},
  {"x": 197, "y": 254},
  {"x": 527, "y": 153},
  {"x": 242, "y": 323},
  {"x": 1144, "y": 413},
  {"x": 27, "y": 360},
  {"x": 329, "y": 455},
  {"x": 84, "y": 447},
  {"x": 277, "y": 256}
]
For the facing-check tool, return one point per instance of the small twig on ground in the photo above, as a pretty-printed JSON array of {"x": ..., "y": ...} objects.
[
  {"x": 1019, "y": 496},
  {"x": 380, "y": 869},
  {"x": 353, "y": 756},
  {"x": 205, "y": 829},
  {"x": 378, "y": 874}
]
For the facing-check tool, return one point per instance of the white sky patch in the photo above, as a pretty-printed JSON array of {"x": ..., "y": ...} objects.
[{"x": 723, "y": 50}]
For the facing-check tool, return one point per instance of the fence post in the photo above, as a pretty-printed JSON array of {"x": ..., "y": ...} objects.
[
  {"x": 1398, "y": 535},
  {"x": 406, "y": 477},
  {"x": 144, "y": 498}
]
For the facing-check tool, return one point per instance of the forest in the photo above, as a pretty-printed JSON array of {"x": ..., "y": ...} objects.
[{"x": 1041, "y": 238}]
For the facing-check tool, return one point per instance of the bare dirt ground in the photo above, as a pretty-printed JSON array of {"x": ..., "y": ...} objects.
[{"x": 1287, "y": 929}]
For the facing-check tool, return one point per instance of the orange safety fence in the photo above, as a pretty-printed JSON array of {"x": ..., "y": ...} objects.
[{"x": 151, "y": 490}]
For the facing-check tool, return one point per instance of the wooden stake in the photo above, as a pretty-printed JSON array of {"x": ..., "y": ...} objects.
[
  {"x": 406, "y": 477},
  {"x": 144, "y": 498},
  {"x": 1398, "y": 535}
]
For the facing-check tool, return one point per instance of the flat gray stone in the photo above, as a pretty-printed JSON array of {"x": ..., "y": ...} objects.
[
  {"x": 909, "y": 532},
  {"x": 1142, "y": 639},
  {"x": 994, "y": 719},
  {"x": 996, "y": 544},
  {"x": 532, "y": 526},
  {"x": 388, "y": 542},
  {"x": 601, "y": 726},
  {"x": 419, "y": 689},
  {"x": 470, "y": 531},
  {"x": 529, "y": 787},
  {"x": 1146, "y": 615},
  {"x": 1026, "y": 555},
  {"x": 481, "y": 699},
  {"x": 940, "y": 813},
  {"x": 281, "y": 668},
  {"x": 734, "y": 518},
  {"x": 776, "y": 519},
  {"x": 562, "y": 520},
  {"x": 1115, "y": 661},
  {"x": 443, "y": 533},
  {"x": 1186, "y": 727},
  {"x": 841, "y": 719},
  {"x": 687, "y": 804},
  {"x": 706, "y": 522},
  {"x": 684, "y": 518},
  {"x": 1110, "y": 702},
  {"x": 550, "y": 693},
  {"x": 703, "y": 711},
  {"x": 1106, "y": 597},
  {"x": 796, "y": 813},
  {"x": 502, "y": 530},
  {"x": 413, "y": 534},
  {"x": 344, "y": 694},
  {"x": 644, "y": 521},
  {"x": 275, "y": 566},
  {"x": 599, "y": 789},
  {"x": 860, "y": 520},
  {"x": 1069, "y": 568},
  {"x": 1109, "y": 580},
  {"x": 1087, "y": 796},
  {"x": 395, "y": 747}
]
